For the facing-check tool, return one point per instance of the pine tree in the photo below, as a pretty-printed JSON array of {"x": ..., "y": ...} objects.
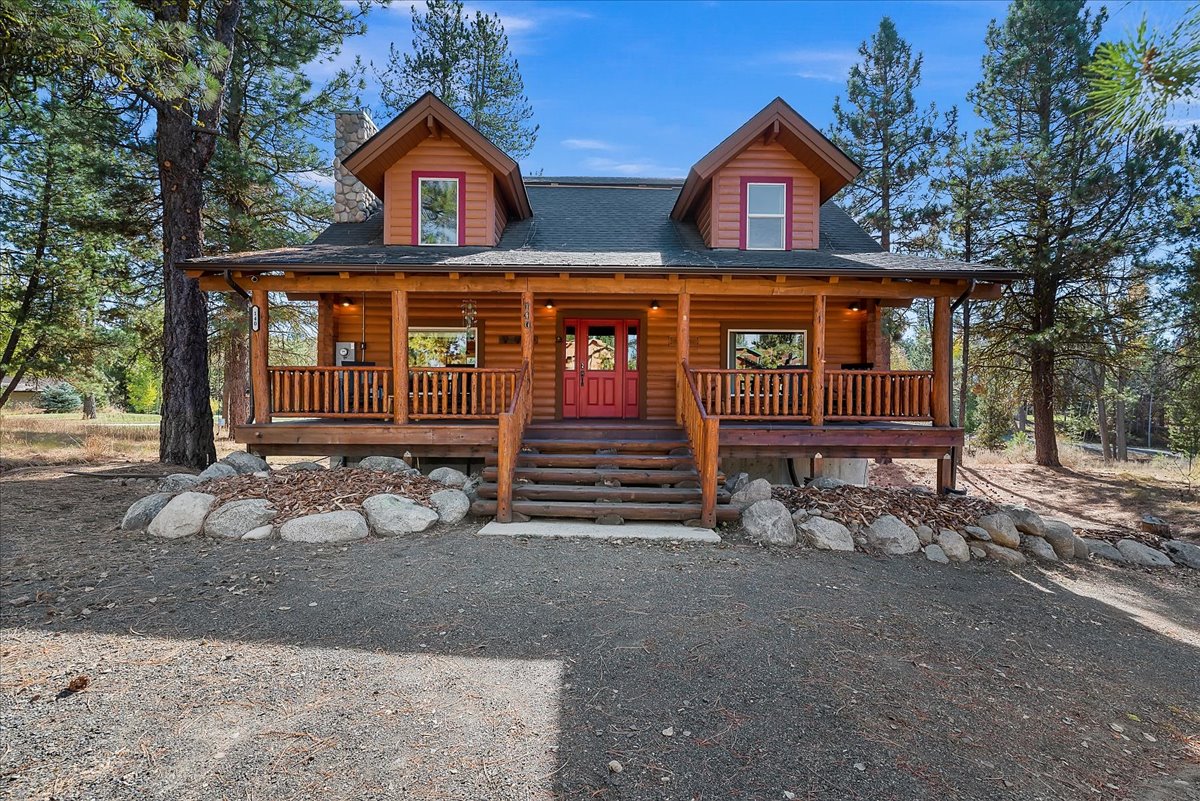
[
  {"x": 1070, "y": 197},
  {"x": 469, "y": 65},
  {"x": 894, "y": 140}
]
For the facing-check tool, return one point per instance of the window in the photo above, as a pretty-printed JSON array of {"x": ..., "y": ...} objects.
[
  {"x": 439, "y": 211},
  {"x": 766, "y": 216},
  {"x": 442, "y": 347},
  {"x": 767, "y": 350}
]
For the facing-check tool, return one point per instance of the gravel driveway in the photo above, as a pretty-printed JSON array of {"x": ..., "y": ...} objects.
[{"x": 450, "y": 666}]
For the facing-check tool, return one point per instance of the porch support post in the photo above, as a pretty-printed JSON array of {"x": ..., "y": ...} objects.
[
  {"x": 816, "y": 403},
  {"x": 259, "y": 381},
  {"x": 683, "y": 343},
  {"x": 325, "y": 331},
  {"x": 400, "y": 355},
  {"x": 527, "y": 328},
  {"x": 940, "y": 403}
]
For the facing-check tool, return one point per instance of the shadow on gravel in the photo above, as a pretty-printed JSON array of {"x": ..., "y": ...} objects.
[{"x": 707, "y": 672}]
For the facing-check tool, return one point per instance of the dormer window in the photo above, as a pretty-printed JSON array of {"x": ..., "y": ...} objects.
[
  {"x": 440, "y": 200},
  {"x": 766, "y": 207}
]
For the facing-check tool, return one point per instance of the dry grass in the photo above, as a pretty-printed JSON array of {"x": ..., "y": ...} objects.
[
  {"x": 44, "y": 439},
  {"x": 1159, "y": 469}
]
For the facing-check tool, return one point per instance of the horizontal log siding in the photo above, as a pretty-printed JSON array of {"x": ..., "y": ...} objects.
[
  {"x": 499, "y": 215},
  {"x": 762, "y": 160},
  {"x": 499, "y": 316},
  {"x": 438, "y": 155},
  {"x": 704, "y": 216}
]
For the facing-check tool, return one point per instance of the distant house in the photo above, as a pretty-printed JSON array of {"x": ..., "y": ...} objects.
[
  {"x": 735, "y": 313},
  {"x": 27, "y": 390}
]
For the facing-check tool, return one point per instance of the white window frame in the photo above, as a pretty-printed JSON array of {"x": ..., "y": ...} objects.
[
  {"x": 782, "y": 216},
  {"x": 421, "y": 217},
  {"x": 472, "y": 334},
  {"x": 731, "y": 349}
]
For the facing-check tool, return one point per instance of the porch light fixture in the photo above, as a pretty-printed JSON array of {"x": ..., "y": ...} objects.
[
  {"x": 345, "y": 301},
  {"x": 857, "y": 305},
  {"x": 549, "y": 303},
  {"x": 654, "y": 304}
]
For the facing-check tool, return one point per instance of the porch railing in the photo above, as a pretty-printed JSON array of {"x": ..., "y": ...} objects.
[
  {"x": 878, "y": 395},
  {"x": 460, "y": 392},
  {"x": 703, "y": 433},
  {"x": 434, "y": 393},
  {"x": 754, "y": 394},
  {"x": 362, "y": 392},
  {"x": 508, "y": 446}
]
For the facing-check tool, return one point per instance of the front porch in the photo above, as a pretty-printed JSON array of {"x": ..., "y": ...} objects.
[{"x": 808, "y": 406}]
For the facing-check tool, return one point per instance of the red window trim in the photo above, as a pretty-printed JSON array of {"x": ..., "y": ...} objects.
[
  {"x": 787, "y": 206},
  {"x": 416, "y": 202}
]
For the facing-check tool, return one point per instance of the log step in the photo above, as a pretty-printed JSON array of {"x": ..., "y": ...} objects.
[
  {"x": 625, "y": 460},
  {"x": 628, "y": 511},
  {"x": 584, "y": 492},
  {"x": 584, "y": 475},
  {"x": 549, "y": 445}
]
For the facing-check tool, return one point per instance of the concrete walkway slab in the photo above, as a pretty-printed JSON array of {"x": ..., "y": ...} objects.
[{"x": 588, "y": 530}]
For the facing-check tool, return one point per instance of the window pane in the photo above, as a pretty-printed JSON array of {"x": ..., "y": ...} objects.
[
  {"x": 569, "y": 348},
  {"x": 439, "y": 212},
  {"x": 602, "y": 347},
  {"x": 442, "y": 348},
  {"x": 767, "y": 350},
  {"x": 764, "y": 233},
  {"x": 765, "y": 198},
  {"x": 631, "y": 354}
]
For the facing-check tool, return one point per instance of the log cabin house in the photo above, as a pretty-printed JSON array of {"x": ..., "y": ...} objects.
[{"x": 603, "y": 344}]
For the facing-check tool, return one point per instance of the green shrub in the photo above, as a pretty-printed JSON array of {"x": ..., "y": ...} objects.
[{"x": 59, "y": 398}]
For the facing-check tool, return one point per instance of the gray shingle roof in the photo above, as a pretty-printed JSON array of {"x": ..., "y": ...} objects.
[{"x": 600, "y": 224}]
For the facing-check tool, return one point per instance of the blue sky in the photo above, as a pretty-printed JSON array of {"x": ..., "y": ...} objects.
[{"x": 647, "y": 88}]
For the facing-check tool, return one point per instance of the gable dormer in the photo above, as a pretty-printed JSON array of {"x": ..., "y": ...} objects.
[
  {"x": 441, "y": 181},
  {"x": 762, "y": 188}
]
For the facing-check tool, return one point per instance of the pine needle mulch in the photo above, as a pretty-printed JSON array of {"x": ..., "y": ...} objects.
[
  {"x": 310, "y": 492},
  {"x": 853, "y": 504}
]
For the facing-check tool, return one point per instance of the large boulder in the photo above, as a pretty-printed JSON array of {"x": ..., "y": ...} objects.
[
  {"x": 977, "y": 533},
  {"x": 448, "y": 476},
  {"x": 1001, "y": 529},
  {"x": 244, "y": 462},
  {"x": 393, "y": 515},
  {"x": 301, "y": 467},
  {"x": 1038, "y": 548},
  {"x": 183, "y": 516},
  {"x": 891, "y": 536},
  {"x": 214, "y": 471},
  {"x": 827, "y": 482},
  {"x": 1008, "y": 556},
  {"x": 737, "y": 481},
  {"x": 234, "y": 520},
  {"x": 1183, "y": 553},
  {"x": 143, "y": 510},
  {"x": 178, "y": 482},
  {"x": 953, "y": 545},
  {"x": 1026, "y": 520},
  {"x": 342, "y": 526},
  {"x": 824, "y": 534},
  {"x": 769, "y": 522},
  {"x": 757, "y": 490},
  {"x": 934, "y": 553},
  {"x": 389, "y": 464},
  {"x": 924, "y": 535},
  {"x": 452, "y": 505},
  {"x": 1061, "y": 537},
  {"x": 1138, "y": 554},
  {"x": 1104, "y": 550}
]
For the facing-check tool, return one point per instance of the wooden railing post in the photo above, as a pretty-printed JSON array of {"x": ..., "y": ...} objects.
[
  {"x": 940, "y": 403},
  {"x": 400, "y": 355},
  {"x": 682, "y": 344},
  {"x": 527, "y": 330},
  {"x": 259, "y": 340},
  {"x": 708, "y": 472},
  {"x": 816, "y": 404}
]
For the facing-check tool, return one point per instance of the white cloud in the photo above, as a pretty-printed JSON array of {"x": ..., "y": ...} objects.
[
  {"x": 820, "y": 65},
  {"x": 644, "y": 168},
  {"x": 586, "y": 144}
]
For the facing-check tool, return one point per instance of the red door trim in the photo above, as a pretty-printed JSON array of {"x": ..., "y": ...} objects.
[{"x": 622, "y": 406}]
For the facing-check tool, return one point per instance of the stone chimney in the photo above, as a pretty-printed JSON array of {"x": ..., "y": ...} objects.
[{"x": 352, "y": 201}]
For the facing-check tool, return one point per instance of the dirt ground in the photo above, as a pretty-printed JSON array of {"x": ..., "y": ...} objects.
[
  {"x": 453, "y": 666},
  {"x": 1087, "y": 494}
]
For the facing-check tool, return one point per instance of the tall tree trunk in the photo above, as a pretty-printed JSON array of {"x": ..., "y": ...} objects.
[
  {"x": 1122, "y": 435},
  {"x": 236, "y": 373},
  {"x": 1102, "y": 412},
  {"x": 185, "y": 140},
  {"x": 1041, "y": 369}
]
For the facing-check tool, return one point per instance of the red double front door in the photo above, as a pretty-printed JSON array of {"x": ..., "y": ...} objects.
[{"x": 600, "y": 368}]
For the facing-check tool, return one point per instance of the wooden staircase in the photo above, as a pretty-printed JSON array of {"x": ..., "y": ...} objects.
[{"x": 609, "y": 472}]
